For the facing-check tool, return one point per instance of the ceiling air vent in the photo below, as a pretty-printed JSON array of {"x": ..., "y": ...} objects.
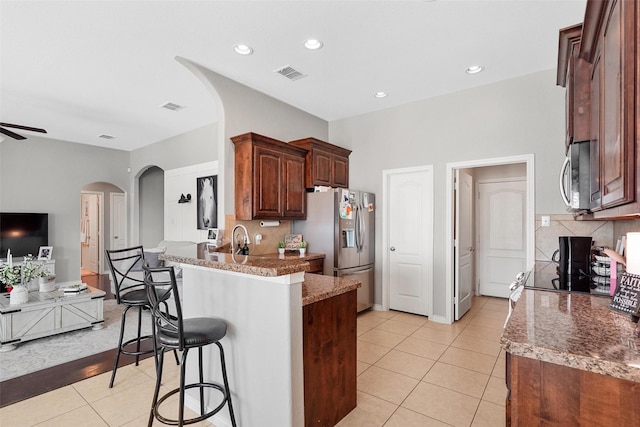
[
  {"x": 172, "y": 106},
  {"x": 289, "y": 72},
  {"x": 105, "y": 136}
]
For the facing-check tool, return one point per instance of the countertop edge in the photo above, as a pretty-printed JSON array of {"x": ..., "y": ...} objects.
[{"x": 514, "y": 342}]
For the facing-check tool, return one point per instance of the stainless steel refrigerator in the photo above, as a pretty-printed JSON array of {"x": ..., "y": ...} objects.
[{"x": 340, "y": 223}]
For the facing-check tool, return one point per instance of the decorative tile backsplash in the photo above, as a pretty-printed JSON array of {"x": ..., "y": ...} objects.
[{"x": 602, "y": 232}]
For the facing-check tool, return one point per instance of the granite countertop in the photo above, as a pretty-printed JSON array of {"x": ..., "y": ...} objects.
[
  {"x": 293, "y": 255},
  {"x": 249, "y": 264},
  {"x": 575, "y": 330},
  {"x": 317, "y": 287}
]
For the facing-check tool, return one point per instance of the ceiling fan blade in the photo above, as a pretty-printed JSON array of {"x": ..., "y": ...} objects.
[
  {"x": 23, "y": 127},
  {"x": 11, "y": 134}
]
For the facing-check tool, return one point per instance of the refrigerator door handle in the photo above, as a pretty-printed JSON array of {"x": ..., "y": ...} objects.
[{"x": 360, "y": 228}]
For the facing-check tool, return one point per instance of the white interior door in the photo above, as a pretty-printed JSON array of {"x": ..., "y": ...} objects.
[
  {"x": 118, "y": 215},
  {"x": 502, "y": 235},
  {"x": 463, "y": 244},
  {"x": 409, "y": 238},
  {"x": 90, "y": 232}
]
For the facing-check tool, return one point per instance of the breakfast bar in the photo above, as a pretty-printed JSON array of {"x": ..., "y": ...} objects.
[{"x": 262, "y": 299}]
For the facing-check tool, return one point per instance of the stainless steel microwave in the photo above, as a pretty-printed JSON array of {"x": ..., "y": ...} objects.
[{"x": 575, "y": 177}]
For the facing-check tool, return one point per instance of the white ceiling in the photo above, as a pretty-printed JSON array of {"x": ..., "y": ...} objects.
[{"x": 84, "y": 68}]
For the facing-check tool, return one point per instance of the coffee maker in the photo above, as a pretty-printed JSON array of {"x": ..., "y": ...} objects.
[{"x": 573, "y": 256}]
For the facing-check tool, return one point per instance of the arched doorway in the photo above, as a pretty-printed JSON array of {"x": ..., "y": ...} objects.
[{"x": 99, "y": 224}]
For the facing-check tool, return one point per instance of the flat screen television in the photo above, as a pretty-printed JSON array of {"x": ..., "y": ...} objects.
[{"x": 23, "y": 233}]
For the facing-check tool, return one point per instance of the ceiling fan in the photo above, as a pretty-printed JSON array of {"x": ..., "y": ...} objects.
[{"x": 15, "y": 135}]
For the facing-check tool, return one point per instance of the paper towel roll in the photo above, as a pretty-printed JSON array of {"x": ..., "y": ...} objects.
[
  {"x": 269, "y": 223},
  {"x": 633, "y": 253}
]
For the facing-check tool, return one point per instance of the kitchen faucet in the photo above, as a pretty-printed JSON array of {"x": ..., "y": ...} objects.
[{"x": 240, "y": 250}]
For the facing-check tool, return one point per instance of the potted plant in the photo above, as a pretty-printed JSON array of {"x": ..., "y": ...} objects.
[
  {"x": 303, "y": 248},
  {"x": 11, "y": 277},
  {"x": 281, "y": 247}
]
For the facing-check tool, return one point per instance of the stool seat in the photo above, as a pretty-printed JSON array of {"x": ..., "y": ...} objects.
[
  {"x": 198, "y": 331},
  {"x": 135, "y": 297}
]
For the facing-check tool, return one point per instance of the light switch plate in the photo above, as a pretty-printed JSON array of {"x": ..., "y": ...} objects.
[{"x": 545, "y": 221}]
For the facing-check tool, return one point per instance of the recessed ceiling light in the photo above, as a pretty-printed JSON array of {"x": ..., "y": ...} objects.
[
  {"x": 474, "y": 69},
  {"x": 380, "y": 94},
  {"x": 313, "y": 44},
  {"x": 243, "y": 49}
]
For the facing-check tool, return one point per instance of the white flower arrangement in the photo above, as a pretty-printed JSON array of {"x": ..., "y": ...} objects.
[{"x": 21, "y": 275}]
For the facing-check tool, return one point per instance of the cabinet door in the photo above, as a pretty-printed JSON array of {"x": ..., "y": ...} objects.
[
  {"x": 615, "y": 151},
  {"x": 293, "y": 189},
  {"x": 267, "y": 177},
  {"x": 594, "y": 147},
  {"x": 340, "y": 171},
  {"x": 322, "y": 165}
]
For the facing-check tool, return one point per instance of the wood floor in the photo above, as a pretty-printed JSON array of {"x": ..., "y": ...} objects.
[{"x": 24, "y": 387}]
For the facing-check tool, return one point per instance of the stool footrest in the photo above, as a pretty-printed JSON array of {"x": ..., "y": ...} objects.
[
  {"x": 202, "y": 417},
  {"x": 135, "y": 340}
]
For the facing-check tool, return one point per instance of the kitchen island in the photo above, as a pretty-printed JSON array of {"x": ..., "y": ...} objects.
[
  {"x": 266, "y": 345},
  {"x": 571, "y": 361}
]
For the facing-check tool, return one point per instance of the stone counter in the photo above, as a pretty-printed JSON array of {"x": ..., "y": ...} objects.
[
  {"x": 264, "y": 266},
  {"x": 317, "y": 287},
  {"x": 574, "y": 330}
]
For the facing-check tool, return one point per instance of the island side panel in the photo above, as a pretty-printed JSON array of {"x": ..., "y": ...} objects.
[
  {"x": 263, "y": 345},
  {"x": 556, "y": 395},
  {"x": 330, "y": 390}
]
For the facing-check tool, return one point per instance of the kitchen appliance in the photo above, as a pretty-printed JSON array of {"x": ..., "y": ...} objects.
[
  {"x": 575, "y": 177},
  {"x": 544, "y": 276},
  {"x": 340, "y": 223},
  {"x": 573, "y": 256}
]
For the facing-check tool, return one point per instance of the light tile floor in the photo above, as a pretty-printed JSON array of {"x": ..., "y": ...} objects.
[
  {"x": 415, "y": 372},
  {"x": 411, "y": 372}
]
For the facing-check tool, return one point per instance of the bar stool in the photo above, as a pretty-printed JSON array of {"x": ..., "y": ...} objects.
[
  {"x": 130, "y": 292},
  {"x": 173, "y": 332}
]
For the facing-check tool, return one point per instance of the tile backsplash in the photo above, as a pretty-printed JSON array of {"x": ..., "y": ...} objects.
[{"x": 602, "y": 232}]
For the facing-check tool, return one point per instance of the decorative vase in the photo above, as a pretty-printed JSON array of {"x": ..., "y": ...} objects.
[
  {"x": 47, "y": 283},
  {"x": 303, "y": 251},
  {"x": 281, "y": 251},
  {"x": 18, "y": 295}
]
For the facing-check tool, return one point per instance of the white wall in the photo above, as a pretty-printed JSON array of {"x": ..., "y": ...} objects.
[
  {"x": 151, "y": 207},
  {"x": 513, "y": 117},
  {"x": 242, "y": 109},
  {"x": 190, "y": 148},
  {"x": 180, "y": 221},
  {"x": 47, "y": 175}
]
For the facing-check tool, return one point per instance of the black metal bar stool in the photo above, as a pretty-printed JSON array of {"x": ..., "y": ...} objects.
[
  {"x": 130, "y": 292},
  {"x": 175, "y": 333}
]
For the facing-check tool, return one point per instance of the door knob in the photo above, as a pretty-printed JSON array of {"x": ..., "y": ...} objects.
[
  {"x": 471, "y": 249},
  {"x": 392, "y": 248}
]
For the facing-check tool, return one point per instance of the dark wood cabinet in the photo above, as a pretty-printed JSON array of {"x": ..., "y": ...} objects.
[
  {"x": 269, "y": 177},
  {"x": 542, "y": 393},
  {"x": 326, "y": 164},
  {"x": 574, "y": 73},
  {"x": 609, "y": 43},
  {"x": 329, "y": 353}
]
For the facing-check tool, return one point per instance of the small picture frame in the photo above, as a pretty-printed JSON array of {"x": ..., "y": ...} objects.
[
  {"x": 212, "y": 235},
  {"x": 45, "y": 252}
]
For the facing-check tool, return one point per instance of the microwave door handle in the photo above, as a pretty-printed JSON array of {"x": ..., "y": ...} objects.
[{"x": 563, "y": 181}]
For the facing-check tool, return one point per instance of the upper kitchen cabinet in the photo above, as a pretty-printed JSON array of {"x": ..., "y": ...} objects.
[
  {"x": 574, "y": 73},
  {"x": 610, "y": 43},
  {"x": 326, "y": 164},
  {"x": 269, "y": 177}
]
